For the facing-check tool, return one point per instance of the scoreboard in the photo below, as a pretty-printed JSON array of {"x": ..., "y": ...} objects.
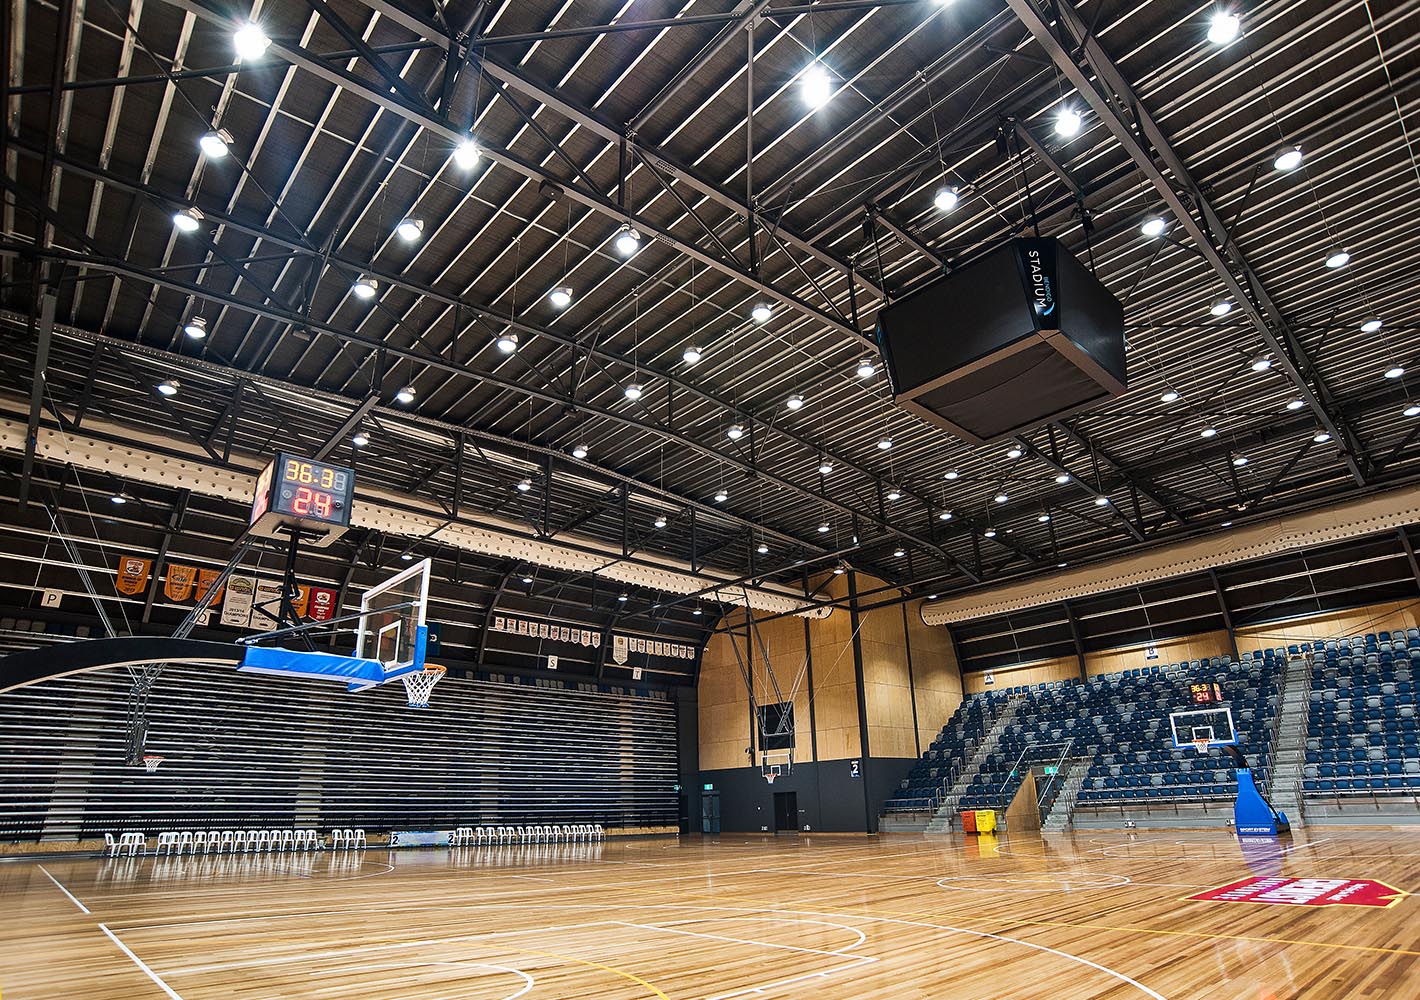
[
  {"x": 1210, "y": 693},
  {"x": 294, "y": 492}
]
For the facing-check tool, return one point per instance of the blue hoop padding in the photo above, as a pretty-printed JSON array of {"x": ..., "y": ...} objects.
[{"x": 359, "y": 674}]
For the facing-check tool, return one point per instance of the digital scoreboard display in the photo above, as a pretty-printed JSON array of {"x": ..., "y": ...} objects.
[
  {"x": 1210, "y": 693},
  {"x": 303, "y": 493}
]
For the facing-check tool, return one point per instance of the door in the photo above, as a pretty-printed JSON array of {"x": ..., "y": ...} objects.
[
  {"x": 710, "y": 813},
  {"x": 786, "y": 812}
]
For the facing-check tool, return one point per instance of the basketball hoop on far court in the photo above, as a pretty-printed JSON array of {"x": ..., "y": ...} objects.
[
  {"x": 769, "y": 776},
  {"x": 151, "y": 761},
  {"x": 1201, "y": 745},
  {"x": 419, "y": 684}
]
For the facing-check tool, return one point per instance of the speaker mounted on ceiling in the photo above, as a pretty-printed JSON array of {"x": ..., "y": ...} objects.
[{"x": 1024, "y": 336}]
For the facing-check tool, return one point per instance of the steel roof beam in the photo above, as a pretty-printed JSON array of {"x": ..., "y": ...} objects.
[{"x": 1112, "y": 98}]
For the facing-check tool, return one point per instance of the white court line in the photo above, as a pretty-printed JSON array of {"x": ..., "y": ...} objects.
[
  {"x": 66, "y": 892},
  {"x": 1310, "y": 843},
  {"x": 760, "y": 944},
  {"x": 141, "y": 964},
  {"x": 528, "y": 981}
]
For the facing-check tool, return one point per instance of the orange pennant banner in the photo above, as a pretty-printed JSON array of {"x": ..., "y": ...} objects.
[
  {"x": 179, "y": 582},
  {"x": 132, "y": 574},
  {"x": 205, "y": 579}
]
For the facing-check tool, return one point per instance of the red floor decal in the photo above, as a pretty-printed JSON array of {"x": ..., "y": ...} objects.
[{"x": 1305, "y": 892}]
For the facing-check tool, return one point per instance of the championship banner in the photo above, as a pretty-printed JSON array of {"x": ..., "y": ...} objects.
[
  {"x": 303, "y": 599},
  {"x": 619, "y": 648},
  {"x": 179, "y": 582},
  {"x": 321, "y": 606},
  {"x": 132, "y": 574},
  {"x": 268, "y": 604},
  {"x": 205, "y": 579},
  {"x": 236, "y": 610},
  {"x": 1305, "y": 892}
]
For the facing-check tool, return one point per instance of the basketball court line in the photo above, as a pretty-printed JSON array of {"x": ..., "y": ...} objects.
[
  {"x": 529, "y": 981},
  {"x": 141, "y": 964},
  {"x": 72, "y": 898}
]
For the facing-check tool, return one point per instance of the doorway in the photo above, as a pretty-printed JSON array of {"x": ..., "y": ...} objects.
[
  {"x": 786, "y": 812},
  {"x": 710, "y": 813}
]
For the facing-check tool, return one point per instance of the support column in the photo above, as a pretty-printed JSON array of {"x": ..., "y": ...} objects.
[{"x": 865, "y": 750}]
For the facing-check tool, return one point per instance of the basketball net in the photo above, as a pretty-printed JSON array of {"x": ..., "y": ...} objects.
[
  {"x": 1201, "y": 746},
  {"x": 151, "y": 761},
  {"x": 419, "y": 684},
  {"x": 769, "y": 776}
]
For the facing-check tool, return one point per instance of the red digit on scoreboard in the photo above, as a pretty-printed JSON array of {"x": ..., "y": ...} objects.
[
  {"x": 324, "y": 503},
  {"x": 301, "y": 502}
]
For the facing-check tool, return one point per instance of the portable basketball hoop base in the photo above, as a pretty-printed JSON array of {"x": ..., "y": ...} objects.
[{"x": 151, "y": 761}]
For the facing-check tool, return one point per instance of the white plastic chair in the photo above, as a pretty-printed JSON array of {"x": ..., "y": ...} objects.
[
  {"x": 166, "y": 841},
  {"x": 288, "y": 840},
  {"x": 481, "y": 835},
  {"x": 134, "y": 842},
  {"x": 357, "y": 838},
  {"x": 111, "y": 844},
  {"x": 184, "y": 842},
  {"x": 598, "y": 833}
]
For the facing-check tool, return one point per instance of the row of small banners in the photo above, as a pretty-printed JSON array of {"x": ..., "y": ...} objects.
[
  {"x": 249, "y": 602},
  {"x": 621, "y": 645}
]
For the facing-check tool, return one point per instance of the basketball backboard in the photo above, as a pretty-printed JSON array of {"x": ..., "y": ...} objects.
[
  {"x": 1215, "y": 725},
  {"x": 775, "y": 764},
  {"x": 392, "y": 627}
]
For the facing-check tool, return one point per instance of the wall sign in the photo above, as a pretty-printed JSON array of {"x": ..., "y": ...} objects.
[
  {"x": 855, "y": 769},
  {"x": 51, "y": 598}
]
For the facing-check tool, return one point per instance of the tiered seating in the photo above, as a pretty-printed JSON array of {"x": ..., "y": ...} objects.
[
  {"x": 922, "y": 787},
  {"x": 1119, "y": 724},
  {"x": 1363, "y": 733}
]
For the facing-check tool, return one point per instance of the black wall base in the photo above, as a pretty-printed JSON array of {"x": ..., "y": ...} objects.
[{"x": 830, "y": 799}]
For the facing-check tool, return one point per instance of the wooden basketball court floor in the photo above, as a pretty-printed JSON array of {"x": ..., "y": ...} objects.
[{"x": 1086, "y": 915}]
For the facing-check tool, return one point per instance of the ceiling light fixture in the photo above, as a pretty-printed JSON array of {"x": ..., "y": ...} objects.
[
  {"x": 884, "y": 443},
  {"x": 409, "y": 229},
  {"x": 946, "y": 198},
  {"x": 169, "y": 387},
  {"x": 187, "y": 220},
  {"x": 1063, "y": 478},
  {"x": 660, "y": 521},
  {"x": 951, "y": 474},
  {"x": 560, "y": 297},
  {"x": 825, "y": 467},
  {"x": 633, "y": 391},
  {"x": 1101, "y": 501},
  {"x": 1394, "y": 371},
  {"x": 899, "y": 552},
  {"x": 1002, "y": 498},
  {"x": 1068, "y": 122},
  {"x": 409, "y": 557},
  {"x": 405, "y": 395},
  {"x": 195, "y": 328},
  {"x": 735, "y": 432},
  {"x": 214, "y": 143},
  {"x": 761, "y": 312},
  {"x": 1223, "y": 27},
  {"x": 1239, "y": 460},
  {"x": 627, "y": 241},
  {"x": 1338, "y": 259},
  {"x": 1170, "y": 396},
  {"x": 1287, "y": 158},
  {"x": 1371, "y": 325},
  {"x": 1261, "y": 363},
  {"x": 945, "y": 515},
  {"x": 119, "y": 498},
  {"x": 990, "y": 532},
  {"x": 524, "y": 486},
  {"x": 839, "y": 571},
  {"x": 691, "y": 355},
  {"x": 721, "y": 495},
  {"x": 1411, "y": 410},
  {"x": 623, "y": 597},
  {"x": 762, "y": 549},
  {"x": 893, "y": 493},
  {"x": 866, "y": 368},
  {"x": 1209, "y": 431},
  {"x": 507, "y": 342},
  {"x": 360, "y": 439},
  {"x": 825, "y": 528},
  {"x": 1321, "y": 437},
  {"x": 816, "y": 86},
  {"x": 1154, "y": 226},
  {"x": 1043, "y": 518},
  {"x": 1221, "y": 307},
  {"x": 466, "y": 154},
  {"x": 527, "y": 580},
  {"x": 365, "y": 289},
  {"x": 579, "y": 451},
  {"x": 1296, "y": 404},
  {"x": 1014, "y": 452},
  {"x": 794, "y": 402},
  {"x": 250, "y": 42}
]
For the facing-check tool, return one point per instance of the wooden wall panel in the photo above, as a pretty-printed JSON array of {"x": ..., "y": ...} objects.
[
  {"x": 1333, "y": 625},
  {"x": 723, "y": 707},
  {"x": 1194, "y": 647},
  {"x": 936, "y": 675},
  {"x": 1039, "y": 672}
]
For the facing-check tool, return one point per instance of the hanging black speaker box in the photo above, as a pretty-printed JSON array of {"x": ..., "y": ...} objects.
[{"x": 1019, "y": 338}]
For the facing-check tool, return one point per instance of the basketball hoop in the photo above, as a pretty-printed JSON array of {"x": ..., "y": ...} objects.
[
  {"x": 769, "y": 776},
  {"x": 1201, "y": 746},
  {"x": 151, "y": 761},
  {"x": 419, "y": 684}
]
